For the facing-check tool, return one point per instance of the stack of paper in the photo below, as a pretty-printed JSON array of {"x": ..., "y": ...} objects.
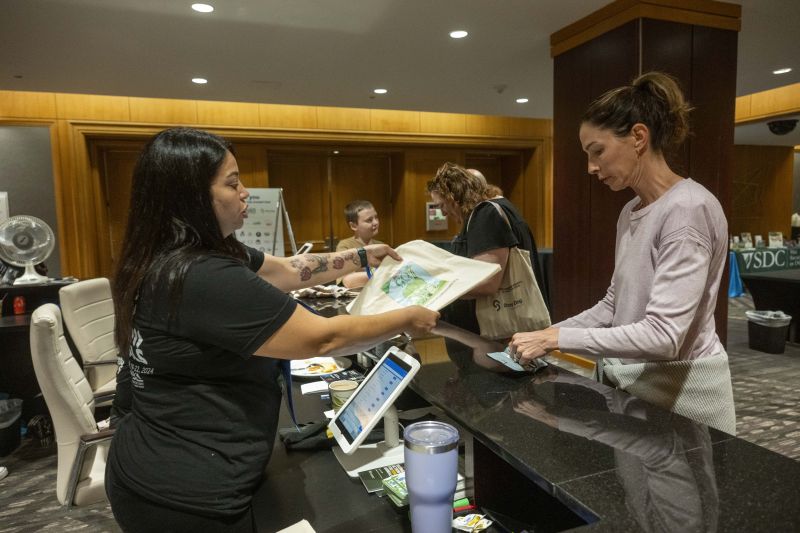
[
  {"x": 373, "y": 479},
  {"x": 395, "y": 488}
]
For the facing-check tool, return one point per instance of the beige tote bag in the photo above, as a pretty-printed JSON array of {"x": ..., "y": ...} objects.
[
  {"x": 427, "y": 276},
  {"x": 518, "y": 304}
]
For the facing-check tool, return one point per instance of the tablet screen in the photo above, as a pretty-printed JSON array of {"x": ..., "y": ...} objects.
[{"x": 361, "y": 412}]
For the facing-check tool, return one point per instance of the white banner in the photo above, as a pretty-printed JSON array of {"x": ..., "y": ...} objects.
[{"x": 263, "y": 227}]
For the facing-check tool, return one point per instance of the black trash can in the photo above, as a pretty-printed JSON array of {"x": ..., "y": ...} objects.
[
  {"x": 10, "y": 411},
  {"x": 767, "y": 330}
]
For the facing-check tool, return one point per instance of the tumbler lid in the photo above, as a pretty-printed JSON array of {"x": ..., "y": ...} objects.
[{"x": 430, "y": 437}]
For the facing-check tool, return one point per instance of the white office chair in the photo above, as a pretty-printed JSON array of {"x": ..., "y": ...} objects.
[
  {"x": 82, "y": 448},
  {"x": 89, "y": 317}
]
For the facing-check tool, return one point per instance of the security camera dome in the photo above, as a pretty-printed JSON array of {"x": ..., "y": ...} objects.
[{"x": 782, "y": 127}]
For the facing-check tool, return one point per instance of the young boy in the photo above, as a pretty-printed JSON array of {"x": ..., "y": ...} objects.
[{"x": 363, "y": 220}]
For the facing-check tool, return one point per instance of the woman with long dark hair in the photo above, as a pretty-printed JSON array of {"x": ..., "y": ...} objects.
[
  {"x": 653, "y": 333},
  {"x": 203, "y": 322}
]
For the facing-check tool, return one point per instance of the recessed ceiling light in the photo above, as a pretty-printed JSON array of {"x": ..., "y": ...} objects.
[
  {"x": 522, "y": 100},
  {"x": 380, "y": 91},
  {"x": 782, "y": 71},
  {"x": 458, "y": 34},
  {"x": 203, "y": 8},
  {"x": 199, "y": 81}
]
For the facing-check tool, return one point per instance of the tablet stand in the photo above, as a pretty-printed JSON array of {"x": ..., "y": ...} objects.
[{"x": 368, "y": 456}]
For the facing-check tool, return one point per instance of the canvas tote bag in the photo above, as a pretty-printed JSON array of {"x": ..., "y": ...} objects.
[
  {"x": 518, "y": 304},
  {"x": 427, "y": 276}
]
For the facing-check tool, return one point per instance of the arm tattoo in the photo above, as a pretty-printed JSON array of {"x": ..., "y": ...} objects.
[
  {"x": 304, "y": 262},
  {"x": 339, "y": 260}
]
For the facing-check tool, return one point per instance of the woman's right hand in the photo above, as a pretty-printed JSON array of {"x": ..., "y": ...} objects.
[
  {"x": 376, "y": 253},
  {"x": 420, "y": 320}
]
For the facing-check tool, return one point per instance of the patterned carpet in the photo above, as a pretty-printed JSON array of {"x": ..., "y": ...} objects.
[
  {"x": 766, "y": 390},
  {"x": 766, "y": 387},
  {"x": 28, "y": 501}
]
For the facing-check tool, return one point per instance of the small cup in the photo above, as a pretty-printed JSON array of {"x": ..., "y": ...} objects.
[{"x": 340, "y": 391}]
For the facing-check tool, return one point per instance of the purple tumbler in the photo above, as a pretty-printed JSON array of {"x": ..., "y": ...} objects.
[{"x": 431, "y": 457}]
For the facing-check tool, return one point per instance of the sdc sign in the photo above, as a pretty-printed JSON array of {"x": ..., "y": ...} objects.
[{"x": 768, "y": 259}]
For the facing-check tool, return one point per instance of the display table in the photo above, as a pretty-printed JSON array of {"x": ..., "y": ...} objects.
[
  {"x": 758, "y": 260},
  {"x": 778, "y": 290},
  {"x": 735, "y": 287},
  {"x": 555, "y": 451}
]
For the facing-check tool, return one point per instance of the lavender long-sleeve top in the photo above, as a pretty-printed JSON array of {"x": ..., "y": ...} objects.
[{"x": 669, "y": 259}]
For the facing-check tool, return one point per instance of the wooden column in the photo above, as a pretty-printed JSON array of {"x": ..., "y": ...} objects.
[{"x": 693, "y": 41}]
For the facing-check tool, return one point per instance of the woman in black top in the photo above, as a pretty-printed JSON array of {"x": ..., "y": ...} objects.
[
  {"x": 464, "y": 197},
  {"x": 203, "y": 322}
]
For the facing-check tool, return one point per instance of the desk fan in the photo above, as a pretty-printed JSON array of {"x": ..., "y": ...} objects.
[{"x": 24, "y": 242}]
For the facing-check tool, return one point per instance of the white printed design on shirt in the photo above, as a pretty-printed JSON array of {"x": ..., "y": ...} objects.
[
  {"x": 136, "y": 347},
  {"x": 137, "y": 360}
]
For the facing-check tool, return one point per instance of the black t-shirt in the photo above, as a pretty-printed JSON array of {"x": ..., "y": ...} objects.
[
  {"x": 525, "y": 241},
  {"x": 205, "y": 410},
  {"x": 487, "y": 230},
  {"x": 123, "y": 395}
]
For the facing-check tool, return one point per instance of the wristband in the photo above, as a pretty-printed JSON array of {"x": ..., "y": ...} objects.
[{"x": 362, "y": 255}]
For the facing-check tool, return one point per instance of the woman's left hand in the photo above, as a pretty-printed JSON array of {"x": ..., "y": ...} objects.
[{"x": 527, "y": 346}]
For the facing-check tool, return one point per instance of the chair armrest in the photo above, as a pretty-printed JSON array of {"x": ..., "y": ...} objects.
[
  {"x": 86, "y": 441},
  {"x": 95, "y": 438},
  {"x": 98, "y": 363},
  {"x": 102, "y": 397}
]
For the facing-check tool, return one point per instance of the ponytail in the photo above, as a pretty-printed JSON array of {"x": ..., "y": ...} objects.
[{"x": 653, "y": 99}]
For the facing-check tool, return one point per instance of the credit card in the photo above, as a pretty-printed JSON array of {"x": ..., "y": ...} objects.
[{"x": 503, "y": 357}]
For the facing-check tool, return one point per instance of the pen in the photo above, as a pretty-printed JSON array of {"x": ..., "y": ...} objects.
[{"x": 369, "y": 272}]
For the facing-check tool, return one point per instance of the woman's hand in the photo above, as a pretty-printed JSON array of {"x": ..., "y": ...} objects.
[
  {"x": 527, "y": 346},
  {"x": 420, "y": 320},
  {"x": 376, "y": 253}
]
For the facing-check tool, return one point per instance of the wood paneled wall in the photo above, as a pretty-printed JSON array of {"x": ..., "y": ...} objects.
[
  {"x": 123, "y": 109},
  {"x": 585, "y": 211},
  {"x": 772, "y": 103},
  {"x": 420, "y": 166},
  {"x": 94, "y": 137},
  {"x": 762, "y": 190},
  {"x": 703, "y": 59}
]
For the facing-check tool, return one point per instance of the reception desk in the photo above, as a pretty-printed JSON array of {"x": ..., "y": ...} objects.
[{"x": 550, "y": 451}]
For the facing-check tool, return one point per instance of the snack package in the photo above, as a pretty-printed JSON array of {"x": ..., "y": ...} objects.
[{"x": 471, "y": 522}]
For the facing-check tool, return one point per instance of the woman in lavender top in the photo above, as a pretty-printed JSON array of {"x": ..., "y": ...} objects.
[{"x": 653, "y": 333}]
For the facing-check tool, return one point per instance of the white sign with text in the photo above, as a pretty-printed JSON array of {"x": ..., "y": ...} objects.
[{"x": 263, "y": 227}]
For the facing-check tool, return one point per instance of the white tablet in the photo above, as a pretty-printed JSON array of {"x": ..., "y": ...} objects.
[{"x": 365, "y": 408}]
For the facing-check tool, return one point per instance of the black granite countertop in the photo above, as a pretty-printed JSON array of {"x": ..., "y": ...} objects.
[{"x": 616, "y": 461}]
